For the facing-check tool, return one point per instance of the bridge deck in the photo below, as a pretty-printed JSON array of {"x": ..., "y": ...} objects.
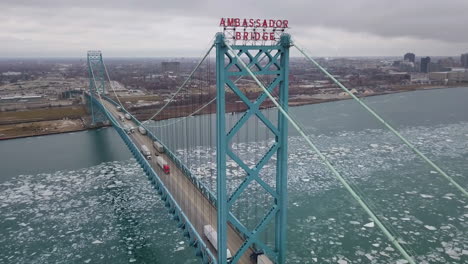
[{"x": 193, "y": 203}]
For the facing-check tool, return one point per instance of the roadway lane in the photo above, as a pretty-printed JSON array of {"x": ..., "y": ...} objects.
[{"x": 193, "y": 203}]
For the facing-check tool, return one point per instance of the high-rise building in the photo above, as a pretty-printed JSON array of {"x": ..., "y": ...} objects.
[
  {"x": 464, "y": 60},
  {"x": 409, "y": 57},
  {"x": 425, "y": 64}
]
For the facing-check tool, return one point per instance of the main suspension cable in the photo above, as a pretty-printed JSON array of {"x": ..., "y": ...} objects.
[
  {"x": 99, "y": 95},
  {"x": 112, "y": 87},
  {"x": 182, "y": 86},
  {"x": 373, "y": 113},
  {"x": 199, "y": 109},
  {"x": 390, "y": 237}
]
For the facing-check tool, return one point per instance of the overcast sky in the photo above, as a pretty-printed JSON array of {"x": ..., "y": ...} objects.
[{"x": 155, "y": 28}]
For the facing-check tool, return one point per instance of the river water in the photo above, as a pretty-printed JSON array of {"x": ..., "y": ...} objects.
[{"x": 82, "y": 198}]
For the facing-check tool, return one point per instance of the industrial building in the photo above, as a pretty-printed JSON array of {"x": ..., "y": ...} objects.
[{"x": 449, "y": 77}]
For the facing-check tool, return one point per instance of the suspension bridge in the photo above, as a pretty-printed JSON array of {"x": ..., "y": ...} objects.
[{"x": 222, "y": 217}]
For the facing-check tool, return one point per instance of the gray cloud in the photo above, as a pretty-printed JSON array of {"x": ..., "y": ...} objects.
[{"x": 181, "y": 28}]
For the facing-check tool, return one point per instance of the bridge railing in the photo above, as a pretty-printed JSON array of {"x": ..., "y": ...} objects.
[
  {"x": 200, "y": 185},
  {"x": 178, "y": 215},
  {"x": 186, "y": 171}
]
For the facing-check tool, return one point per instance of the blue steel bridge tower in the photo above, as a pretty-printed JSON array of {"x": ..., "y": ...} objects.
[
  {"x": 269, "y": 62},
  {"x": 97, "y": 82}
]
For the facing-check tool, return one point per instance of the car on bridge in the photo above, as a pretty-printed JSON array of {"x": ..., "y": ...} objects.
[
  {"x": 129, "y": 129},
  {"x": 142, "y": 130}
]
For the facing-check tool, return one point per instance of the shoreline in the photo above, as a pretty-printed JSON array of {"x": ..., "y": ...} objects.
[
  {"x": 184, "y": 110},
  {"x": 52, "y": 133},
  {"x": 383, "y": 93},
  {"x": 44, "y": 128},
  {"x": 230, "y": 108}
]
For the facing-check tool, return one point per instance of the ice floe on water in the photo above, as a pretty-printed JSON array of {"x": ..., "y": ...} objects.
[
  {"x": 103, "y": 214},
  {"x": 110, "y": 214},
  {"x": 412, "y": 199}
]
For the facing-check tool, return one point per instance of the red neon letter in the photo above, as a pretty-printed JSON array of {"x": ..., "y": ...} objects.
[
  {"x": 246, "y": 35},
  {"x": 272, "y": 35},
  {"x": 257, "y": 23},
  {"x": 244, "y": 23},
  {"x": 257, "y": 36},
  {"x": 285, "y": 23},
  {"x": 222, "y": 23},
  {"x": 238, "y": 35},
  {"x": 237, "y": 22},
  {"x": 230, "y": 22},
  {"x": 279, "y": 23},
  {"x": 251, "y": 22},
  {"x": 272, "y": 23}
]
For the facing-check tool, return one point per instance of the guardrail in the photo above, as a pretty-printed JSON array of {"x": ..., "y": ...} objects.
[
  {"x": 236, "y": 224},
  {"x": 201, "y": 186},
  {"x": 183, "y": 222}
]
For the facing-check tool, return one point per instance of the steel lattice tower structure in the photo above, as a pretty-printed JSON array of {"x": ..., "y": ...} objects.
[
  {"x": 97, "y": 78},
  {"x": 277, "y": 66}
]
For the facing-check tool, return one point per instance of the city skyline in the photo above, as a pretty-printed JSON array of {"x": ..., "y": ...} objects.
[{"x": 153, "y": 29}]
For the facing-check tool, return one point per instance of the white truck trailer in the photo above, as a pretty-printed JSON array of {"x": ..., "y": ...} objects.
[
  {"x": 119, "y": 108},
  {"x": 145, "y": 151},
  {"x": 128, "y": 117},
  {"x": 158, "y": 146},
  {"x": 212, "y": 236}
]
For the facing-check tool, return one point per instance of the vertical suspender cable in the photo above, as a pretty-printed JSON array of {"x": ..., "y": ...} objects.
[
  {"x": 394, "y": 131},
  {"x": 183, "y": 84},
  {"x": 390, "y": 237}
]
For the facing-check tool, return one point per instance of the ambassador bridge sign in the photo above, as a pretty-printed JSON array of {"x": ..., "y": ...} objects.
[{"x": 253, "y": 31}]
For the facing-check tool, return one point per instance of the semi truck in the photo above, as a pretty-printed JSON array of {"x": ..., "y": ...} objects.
[
  {"x": 142, "y": 130},
  {"x": 212, "y": 236},
  {"x": 145, "y": 151},
  {"x": 163, "y": 164},
  {"x": 128, "y": 117},
  {"x": 158, "y": 146},
  {"x": 119, "y": 108},
  {"x": 122, "y": 118}
]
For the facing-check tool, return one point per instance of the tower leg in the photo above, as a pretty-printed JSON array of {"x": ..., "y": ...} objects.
[
  {"x": 221, "y": 145},
  {"x": 282, "y": 156}
]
